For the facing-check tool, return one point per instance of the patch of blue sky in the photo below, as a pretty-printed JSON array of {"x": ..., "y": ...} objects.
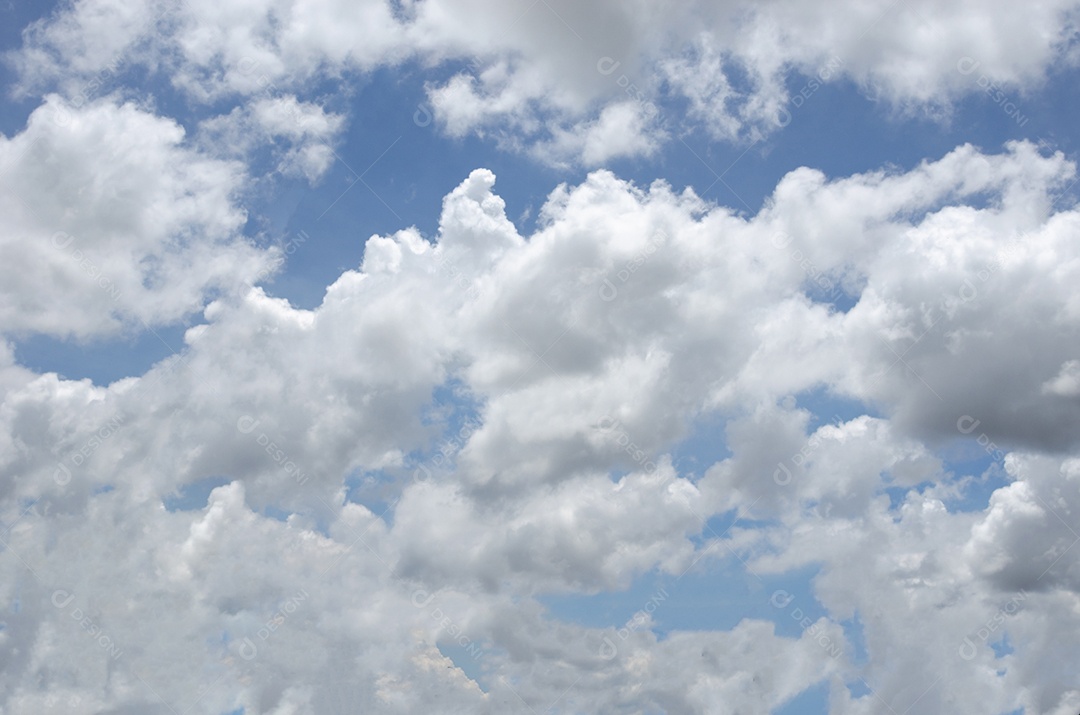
[
  {"x": 897, "y": 496},
  {"x": 1002, "y": 646},
  {"x": 838, "y": 131},
  {"x": 466, "y": 655},
  {"x": 454, "y": 408},
  {"x": 977, "y": 473},
  {"x": 194, "y": 496},
  {"x": 829, "y": 290},
  {"x": 102, "y": 361},
  {"x": 859, "y": 689},
  {"x": 791, "y": 600},
  {"x": 715, "y": 595},
  {"x": 705, "y": 445},
  {"x": 827, "y": 407},
  {"x": 276, "y": 513},
  {"x": 720, "y": 526},
  {"x": 856, "y": 638},
  {"x": 377, "y": 490},
  {"x": 616, "y": 475},
  {"x": 14, "y": 18},
  {"x": 743, "y": 177}
]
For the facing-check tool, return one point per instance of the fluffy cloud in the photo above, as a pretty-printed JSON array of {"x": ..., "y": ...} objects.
[
  {"x": 111, "y": 221},
  {"x": 366, "y": 504},
  {"x": 302, "y": 134},
  {"x": 587, "y": 350},
  {"x": 558, "y": 74}
]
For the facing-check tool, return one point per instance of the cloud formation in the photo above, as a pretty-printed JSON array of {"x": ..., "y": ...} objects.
[
  {"x": 371, "y": 503},
  {"x": 588, "y": 349},
  {"x": 567, "y": 81}
]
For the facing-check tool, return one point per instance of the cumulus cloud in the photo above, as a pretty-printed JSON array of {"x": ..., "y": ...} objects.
[
  {"x": 111, "y": 220},
  {"x": 289, "y": 515},
  {"x": 587, "y": 349}
]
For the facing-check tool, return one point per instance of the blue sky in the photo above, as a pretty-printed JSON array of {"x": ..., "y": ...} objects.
[{"x": 353, "y": 340}]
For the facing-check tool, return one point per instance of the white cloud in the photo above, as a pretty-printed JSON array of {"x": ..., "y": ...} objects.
[
  {"x": 111, "y": 221},
  {"x": 548, "y": 70},
  {"x": 301, "y": 133},
  {"x": 1067, "y": 382},
  {"x": 622, "y": 129},
  {"x": 589, "y": 349}
]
